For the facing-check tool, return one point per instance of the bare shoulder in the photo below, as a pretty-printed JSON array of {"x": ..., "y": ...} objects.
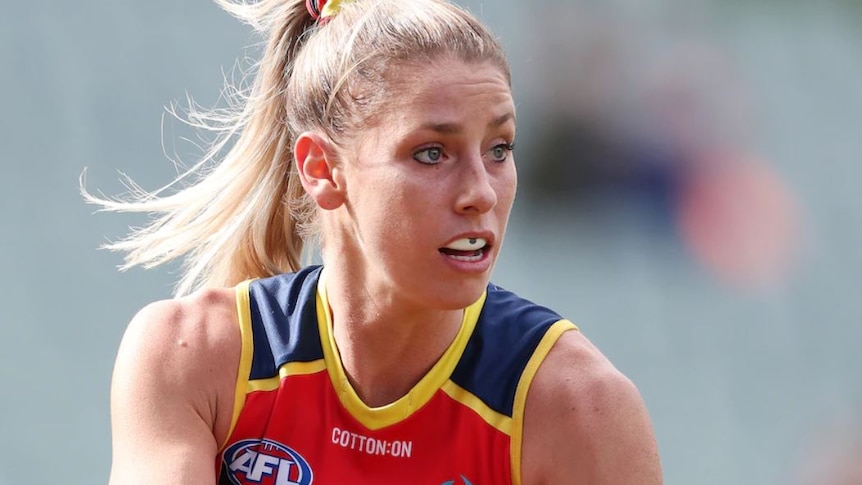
[
  {"x": 585, "y": 422},
  {"x": 189, "y": 345},
  {"x": 184, "y": 328},
  {"x": 173, "y": 387}
]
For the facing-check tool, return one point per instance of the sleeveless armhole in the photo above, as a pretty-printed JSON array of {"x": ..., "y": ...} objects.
[
  {"x": 550, "y": 338},
  {"x": 243, "y": 311}
]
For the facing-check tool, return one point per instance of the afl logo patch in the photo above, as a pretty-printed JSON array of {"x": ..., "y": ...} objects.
[{"x": 265, "y": 462}]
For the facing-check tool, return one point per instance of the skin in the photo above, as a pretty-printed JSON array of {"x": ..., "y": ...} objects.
[{"x": 385, "y": 215}]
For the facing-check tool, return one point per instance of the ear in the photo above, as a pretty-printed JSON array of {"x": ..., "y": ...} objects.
[{"x": 320, "y": 176}]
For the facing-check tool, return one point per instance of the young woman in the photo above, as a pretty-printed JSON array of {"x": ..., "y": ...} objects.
[{"x": 383, "y": 129}]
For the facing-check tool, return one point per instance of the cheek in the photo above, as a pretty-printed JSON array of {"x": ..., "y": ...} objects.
[
  {"x": 507, "y": 187},
  {"x": 398, "y": 203}
]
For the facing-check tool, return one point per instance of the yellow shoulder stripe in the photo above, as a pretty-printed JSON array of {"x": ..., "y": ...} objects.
[
  {"x": 545, "y": 345},
  {"x": 243, "y": 311},
  {"x": 467, "y": 398}
]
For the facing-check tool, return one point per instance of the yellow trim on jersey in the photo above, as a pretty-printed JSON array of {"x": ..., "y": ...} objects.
[
  {"x": 243, "y": 311},
  {"x": 547, "y": 342},
  {"x": 289, "y": 369},
  {"x": 418, "y": 396},
  {"x": 500, "y": 421}
]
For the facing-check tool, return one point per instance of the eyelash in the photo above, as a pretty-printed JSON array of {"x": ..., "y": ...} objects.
[{"x": 508, "y": 146}]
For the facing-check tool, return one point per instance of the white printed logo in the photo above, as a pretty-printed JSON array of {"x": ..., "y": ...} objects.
[{"x": 265, "y": 462}]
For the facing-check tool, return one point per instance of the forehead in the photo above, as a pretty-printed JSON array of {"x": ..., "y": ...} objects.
[{"x": 448, "y": 87}]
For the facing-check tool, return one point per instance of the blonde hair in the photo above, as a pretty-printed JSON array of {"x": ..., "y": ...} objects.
[{"x": 248, "y": 216}]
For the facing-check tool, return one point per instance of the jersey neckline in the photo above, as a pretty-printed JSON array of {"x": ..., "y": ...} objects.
[{"x": 375, "y": 418}]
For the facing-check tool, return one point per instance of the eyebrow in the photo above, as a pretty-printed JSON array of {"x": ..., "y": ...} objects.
[{"x": 455, "y": 128}]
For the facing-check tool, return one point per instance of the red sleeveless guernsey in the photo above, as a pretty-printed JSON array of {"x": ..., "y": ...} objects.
[{"x": 298, "y": 421}]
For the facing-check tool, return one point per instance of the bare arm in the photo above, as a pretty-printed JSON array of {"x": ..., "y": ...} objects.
[
  {"x": 585, "y": 423},
  {"x": 172, "y": 390}
]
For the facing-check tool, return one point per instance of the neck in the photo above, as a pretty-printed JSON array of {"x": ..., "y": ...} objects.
[{"x": 386, "y": 344}]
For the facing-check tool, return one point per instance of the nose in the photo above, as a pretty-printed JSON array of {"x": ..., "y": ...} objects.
[{"x": 476, "y": 193}]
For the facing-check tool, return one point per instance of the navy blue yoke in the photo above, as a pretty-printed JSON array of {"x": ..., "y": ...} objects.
[
  {"x": 506, "y": 336},
  {"x": 284, "y": 321},
  {"x": 509, "y": 329}
]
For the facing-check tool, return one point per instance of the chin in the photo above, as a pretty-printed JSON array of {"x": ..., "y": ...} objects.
[{"x": 457, "y": 297}]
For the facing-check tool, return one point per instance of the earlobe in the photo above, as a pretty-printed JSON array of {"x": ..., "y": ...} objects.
[{"x": 317, "y": 170}]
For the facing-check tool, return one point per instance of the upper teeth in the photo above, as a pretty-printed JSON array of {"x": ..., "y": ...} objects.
[{"x": 468, "y": 244}]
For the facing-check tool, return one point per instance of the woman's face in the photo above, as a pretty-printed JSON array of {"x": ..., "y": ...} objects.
[{"x": 429, "y": 186}]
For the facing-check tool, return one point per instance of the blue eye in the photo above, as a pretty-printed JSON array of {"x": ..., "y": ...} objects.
[
  {"x": 500, "y": 153},
  {"x": 429, "y": 156}
]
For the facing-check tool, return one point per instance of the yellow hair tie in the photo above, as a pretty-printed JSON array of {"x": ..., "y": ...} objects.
[
  {"x": 323, "y": 10},
  {"x": 331, "y": 8}
]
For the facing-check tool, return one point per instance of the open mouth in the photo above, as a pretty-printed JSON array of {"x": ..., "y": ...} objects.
[{"x": 466, "y": 249}]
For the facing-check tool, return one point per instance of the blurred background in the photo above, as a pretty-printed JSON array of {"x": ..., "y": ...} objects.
[{"x": 689, "y": 197}]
